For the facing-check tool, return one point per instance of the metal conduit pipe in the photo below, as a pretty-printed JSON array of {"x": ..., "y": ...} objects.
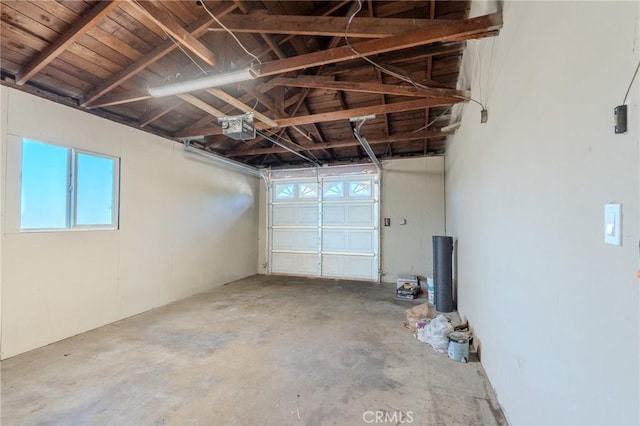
[
  {"x": 365, "y": 144},
  {"x": 224, "y": 161}
]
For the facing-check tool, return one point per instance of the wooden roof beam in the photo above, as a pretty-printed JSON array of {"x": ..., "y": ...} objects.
[
  {"x": 76, "y": 30},
  {"x": 231, "y": 100},
  {"x": 331, "y": 26},
  {"x": 337, "y": 115},
  {"x": 120, "y": 98},
  {"x": 384, "y": 89},
  {"x": 410, "y": 55},
  {"x": 398, "y": 137},
  {"x": 456, "y": 30},
  {"x": 196, "y": 29},
  {"x": 200, "y": 104},
  {"x": 168, "y": 23}
]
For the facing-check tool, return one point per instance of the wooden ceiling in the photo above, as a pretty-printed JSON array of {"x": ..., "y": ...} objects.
[{"x": 102, "y": 56}]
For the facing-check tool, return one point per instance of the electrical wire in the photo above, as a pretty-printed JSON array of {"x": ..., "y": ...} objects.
[
  {"x": 434, "y": 120},
  {"x": 215, "y": 18},
  {"x": 631, "y": 83},
  {"x": 177, "y": 45},
  {"x": 187, "y": 54},
  {"x": 399, "y": 76},
  {"x": 311, "y": 154},
  {"x": 229, "y": 31},
  {"x": 270, "y": 139},
  {"x": 475, "y": 47}
]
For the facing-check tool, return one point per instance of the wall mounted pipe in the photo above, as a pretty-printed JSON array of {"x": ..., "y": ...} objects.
[{"x": 224, "y": 161}]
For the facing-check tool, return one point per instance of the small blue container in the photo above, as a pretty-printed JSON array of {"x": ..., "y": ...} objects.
[{"x": 458, "y": 348}]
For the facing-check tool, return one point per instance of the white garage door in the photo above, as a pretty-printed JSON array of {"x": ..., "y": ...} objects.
[{"x": 325, "y": 227}]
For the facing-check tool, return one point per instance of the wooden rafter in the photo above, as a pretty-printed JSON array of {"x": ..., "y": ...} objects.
[
  {"x": 459, "y": 30},
  {"x": 384, "y": 89},
  {"x": 200, "y": 104},
  {"x": 455, "y": 31},
  {"x": 52, "y": 51},
  {"x": 164, "y": 20},
  {"x": 395, "y": 138},
  {"x": 221, "y": 94},
  {"x": 196, "y": 29},
  {"x": 404, "y": 56},
  {"x": 337, "y": 115},
  {"x": 332, "y": 26}
]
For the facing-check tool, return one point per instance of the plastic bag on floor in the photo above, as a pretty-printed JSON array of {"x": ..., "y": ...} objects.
[
  {"x": 417, "y": 313},
  {"x": 436, "y": 333}
]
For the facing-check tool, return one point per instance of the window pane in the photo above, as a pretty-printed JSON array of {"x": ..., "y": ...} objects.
[
  {"x": 333, "y": 189},
  {"x": 95, "y": 195},
  {"x": 308, "y": 190},
  {"x": 360, "y": 188},
  {"x": 284, "y": 191},
  {"x": 44, "y": 186}
]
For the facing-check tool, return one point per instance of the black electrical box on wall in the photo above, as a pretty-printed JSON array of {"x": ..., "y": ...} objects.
[{"x": 620, "y": 117}]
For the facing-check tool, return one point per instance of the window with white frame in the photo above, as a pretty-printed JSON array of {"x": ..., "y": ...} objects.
[{"x": 66, "y": 188}]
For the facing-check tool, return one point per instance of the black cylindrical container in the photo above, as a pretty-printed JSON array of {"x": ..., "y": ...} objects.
[{"x": 442, "y": 272}]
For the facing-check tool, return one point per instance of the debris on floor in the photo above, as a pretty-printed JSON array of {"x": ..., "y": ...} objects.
[
  {"x": 440, "y": 332},
  {"x": 436, "y": 333},
  {"x": 407, "y": 286},
  {"x": 458, "y": 349},
  {"x": 417, "y": 313},
  {"x": 408, "y": 291}
]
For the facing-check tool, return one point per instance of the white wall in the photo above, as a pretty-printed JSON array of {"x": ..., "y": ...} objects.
[
  {"x": 555, "y": 309},
  {"x": 412, "y": 189},
  {"x": 186, "y": 226}
]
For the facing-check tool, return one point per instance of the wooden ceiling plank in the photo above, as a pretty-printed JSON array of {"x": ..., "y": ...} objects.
[
  {"x": 196, "y": 29},
  {"x": 331, "y": 26},
  {"x": 457, "y": 30},
  {"x": 398, "y": 137},
  {"x": 168, "y": 23},
  {"x": 64, "y": 41},
  {"x": 364, "y": 87}
]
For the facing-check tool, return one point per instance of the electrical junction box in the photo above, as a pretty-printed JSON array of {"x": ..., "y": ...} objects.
[{"x": 238, "y": 127}]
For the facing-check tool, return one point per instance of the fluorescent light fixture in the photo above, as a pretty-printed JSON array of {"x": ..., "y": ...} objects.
[{"x": 213, "y": 80}]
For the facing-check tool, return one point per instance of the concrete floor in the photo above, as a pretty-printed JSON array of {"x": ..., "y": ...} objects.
[{"x": 260, "y": 351}]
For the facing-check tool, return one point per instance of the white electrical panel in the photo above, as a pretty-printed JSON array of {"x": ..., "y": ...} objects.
[{"x": 613, "y": 224}]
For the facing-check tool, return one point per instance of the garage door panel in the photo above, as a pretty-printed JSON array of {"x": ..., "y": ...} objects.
[
  {"x": 349, "y": 266},
  {"x": 348, "y": 241},
  {"x": 360, "y": 241},
  {"x": 295, "y": 215},
  {"x": 361, "y": 215},
  {"x": 295, "y": 239},
  {"x": 295, "y": 264},
  {"x": 325, "y": 227},
  {"x": 284, "y": 239},
  {"x": 308, "y": 215},
  {"x": 334, "y": 215},
  {"x": 348, "y": 214},
  {"x": 284, "y": 215},
  {"x": 334, "y": 241}
]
